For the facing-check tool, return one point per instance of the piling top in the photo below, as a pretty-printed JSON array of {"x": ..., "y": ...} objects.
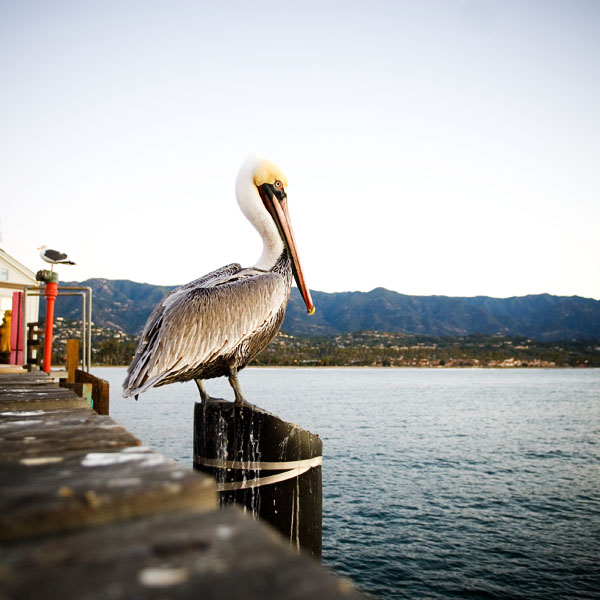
[
  {"x": 270, "y": 436},
  {"x": 47, "y": 276}
]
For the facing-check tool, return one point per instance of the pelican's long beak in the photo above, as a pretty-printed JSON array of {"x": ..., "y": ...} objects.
[{"x": 275, "y": 201}]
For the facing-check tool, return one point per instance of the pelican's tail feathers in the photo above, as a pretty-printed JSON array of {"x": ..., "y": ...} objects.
[{"x": 134, "y": 388}]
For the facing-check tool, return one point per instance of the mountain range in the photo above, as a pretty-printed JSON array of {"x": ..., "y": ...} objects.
[{"x": 125, "y": 305}]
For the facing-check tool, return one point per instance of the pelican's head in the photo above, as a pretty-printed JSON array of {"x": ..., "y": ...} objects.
[{"x": 261, "y": 193}]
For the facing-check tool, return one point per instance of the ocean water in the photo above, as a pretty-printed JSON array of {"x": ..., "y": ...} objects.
[{"x": 437, "y": 483}]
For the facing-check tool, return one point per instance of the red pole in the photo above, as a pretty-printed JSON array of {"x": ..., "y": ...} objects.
[{"x": 50, "y": 292}]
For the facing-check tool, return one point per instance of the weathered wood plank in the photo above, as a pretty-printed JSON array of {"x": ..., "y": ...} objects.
[
  {"x": 24, "y": 378},
  {"x": 23, "y": 392},
  {"x": 62, "y": 469},
  {"x": 38, "y": 433},
  {"x": 37, "y": 388},
  {"x": 221, "y": 555},
  {"x": 11, "y": 369},
  {"x": 35, "y": 391},
  {"x": 62, "y": 490},
  {"x": 38, "y": 397}
]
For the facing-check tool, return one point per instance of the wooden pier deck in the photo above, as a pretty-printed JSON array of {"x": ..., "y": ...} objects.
[{"x": 87, "y": 512}]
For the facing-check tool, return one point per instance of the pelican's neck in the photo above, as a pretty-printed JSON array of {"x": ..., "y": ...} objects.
[
  {"x": 252, "y": 207},
  {"x": 272, "y": 250}
]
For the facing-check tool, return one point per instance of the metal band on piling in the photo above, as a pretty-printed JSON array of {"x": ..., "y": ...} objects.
[{"x": 293, "y": 468}]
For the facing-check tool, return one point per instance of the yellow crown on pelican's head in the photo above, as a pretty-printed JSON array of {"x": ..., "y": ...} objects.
[{"x": 268, "y": 172}]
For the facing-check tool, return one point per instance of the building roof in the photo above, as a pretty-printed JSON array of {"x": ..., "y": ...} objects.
[{"x": 22, "y": 272}]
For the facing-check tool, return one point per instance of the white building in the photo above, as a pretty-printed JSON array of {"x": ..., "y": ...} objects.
[{"x": 13, "y": 278}]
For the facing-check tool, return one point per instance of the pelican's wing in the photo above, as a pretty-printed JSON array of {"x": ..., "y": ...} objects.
[
  {"x": 153, "y": 325},
  {"x": 213, "y": 276},
  {"x": 155, "y": 317},
  {"x": 195, "y": 324}
]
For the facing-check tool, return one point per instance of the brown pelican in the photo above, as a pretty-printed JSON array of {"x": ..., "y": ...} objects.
[
  {"x": 215, "y": 325},
  {"x": 54, "y": 257}
]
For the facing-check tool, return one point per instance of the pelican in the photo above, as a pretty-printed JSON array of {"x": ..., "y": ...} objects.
[
  {"x": 54, "y": 257},
  {"x": 215, "y": 325}
]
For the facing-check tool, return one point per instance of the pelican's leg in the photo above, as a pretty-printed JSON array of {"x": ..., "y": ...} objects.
[
  {"x": 235, "y": 384},
  {"x": 202, "y": 391}
]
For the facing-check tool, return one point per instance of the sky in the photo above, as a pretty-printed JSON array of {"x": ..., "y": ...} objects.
[{"x": 447, "y": 147}]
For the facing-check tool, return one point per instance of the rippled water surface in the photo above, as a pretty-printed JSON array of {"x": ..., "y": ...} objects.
[{"x": 437, "y": 483}]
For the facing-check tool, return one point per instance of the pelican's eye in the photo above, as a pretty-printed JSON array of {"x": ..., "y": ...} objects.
[{"x": 278, "y": 190}]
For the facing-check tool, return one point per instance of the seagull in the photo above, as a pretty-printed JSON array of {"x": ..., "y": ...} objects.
[
  {"x": 54, "y": 257},
  {"x": 215, "y": 325}
]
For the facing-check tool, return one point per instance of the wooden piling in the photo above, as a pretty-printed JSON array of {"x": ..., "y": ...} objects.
[
  {"x": 100, "y": 391},
  {"x": 271, "y": 467},
  {"x": 72, "y": 359}
]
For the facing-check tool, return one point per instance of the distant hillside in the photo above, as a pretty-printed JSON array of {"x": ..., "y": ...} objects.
[
  {"x": 541, "y": 317},
  {"x": 118, "y": 303},
  {"x": 126, "y": 305}
]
